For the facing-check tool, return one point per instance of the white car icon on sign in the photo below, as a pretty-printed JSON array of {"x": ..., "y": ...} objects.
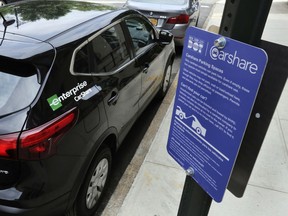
[
  {"x": 198, "y": 127},
  {"x": 180, "y": 113}
]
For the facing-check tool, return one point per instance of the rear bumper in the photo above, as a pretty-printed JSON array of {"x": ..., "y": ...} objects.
[
  {"x": 179, "y": 30},
  {"x": 44, "y": 187},
  {"x": 55, "y": 208},
  {"x": 179, "y": 41}
]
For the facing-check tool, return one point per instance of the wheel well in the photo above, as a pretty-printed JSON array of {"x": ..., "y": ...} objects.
[
  {"x": 110, "y": 142},
  {"x": 170, "y": 61},
  {"x": 172, "y": 57}
]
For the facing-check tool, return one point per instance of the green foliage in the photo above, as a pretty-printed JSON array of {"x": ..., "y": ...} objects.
[{"x": 32, "y": 10}]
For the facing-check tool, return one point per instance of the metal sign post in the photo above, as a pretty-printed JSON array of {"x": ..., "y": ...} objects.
[
  {"x": 194, "y": 201},
  {"x": 218, "y": 82},
  {"x": 244, "y": 20}
]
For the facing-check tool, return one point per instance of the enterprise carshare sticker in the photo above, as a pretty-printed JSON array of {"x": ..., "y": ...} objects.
[{"x": 55, "y": 100}]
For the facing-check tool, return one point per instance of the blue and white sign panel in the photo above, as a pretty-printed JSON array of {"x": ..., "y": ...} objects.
[{"x": 214, "y": 98}]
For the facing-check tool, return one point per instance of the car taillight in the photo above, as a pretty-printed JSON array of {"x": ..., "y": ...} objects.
[
  {"x": 37, "y": 143},
  {"x": 8, "y": 145},
  {"x": 181, "y": 19}
]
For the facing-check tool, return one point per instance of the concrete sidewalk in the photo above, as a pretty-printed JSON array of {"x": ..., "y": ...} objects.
[{"x": 157, "y": 188}]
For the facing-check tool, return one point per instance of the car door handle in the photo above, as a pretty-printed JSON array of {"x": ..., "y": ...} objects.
[
  {"x": 146, "y": 66},
  {"x": 113, "y": 99}
]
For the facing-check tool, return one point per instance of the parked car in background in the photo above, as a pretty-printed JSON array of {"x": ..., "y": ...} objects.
[
  {"x": 173, "y": 15},
  {"x": 74, "y": 77}
]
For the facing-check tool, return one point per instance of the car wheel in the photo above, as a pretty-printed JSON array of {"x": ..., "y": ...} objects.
[
  {"x": 94, "y": 185},
  {"x": 166, "y": 81},
  {"x": 198, "y": 130}
]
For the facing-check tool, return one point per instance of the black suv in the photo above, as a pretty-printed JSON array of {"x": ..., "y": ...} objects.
[{"x": 74, "y": 77}]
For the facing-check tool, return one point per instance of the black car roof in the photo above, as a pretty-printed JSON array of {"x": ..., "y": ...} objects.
[{"x": 55, "y": 22}]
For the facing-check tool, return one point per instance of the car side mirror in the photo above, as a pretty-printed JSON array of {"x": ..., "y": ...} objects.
[{"x": 165, "y": 37}]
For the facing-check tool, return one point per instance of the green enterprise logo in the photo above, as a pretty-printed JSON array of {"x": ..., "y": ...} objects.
[{"x": 54, "y": 102}]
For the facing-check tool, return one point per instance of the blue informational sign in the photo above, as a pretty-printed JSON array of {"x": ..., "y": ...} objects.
[{"x": 216, "y": 91}]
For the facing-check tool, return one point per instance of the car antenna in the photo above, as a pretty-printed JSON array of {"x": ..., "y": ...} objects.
[{"x": 6, "y": 23}]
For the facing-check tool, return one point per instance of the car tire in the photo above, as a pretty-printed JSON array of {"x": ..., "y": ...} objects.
[
  {"x": 94, "y": 185},
  {"x": 166, "y": 81}
]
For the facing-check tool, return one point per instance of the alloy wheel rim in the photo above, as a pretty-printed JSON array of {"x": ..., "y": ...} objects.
[{"x": 97, "y": 183}]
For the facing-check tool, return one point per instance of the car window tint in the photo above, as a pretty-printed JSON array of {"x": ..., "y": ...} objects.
[
  {"x": 18, "y": 86},
  {"x": 109, "y": 50},
  {"x": 81, "y": 64},
  {"x": 142, "y": 33}
]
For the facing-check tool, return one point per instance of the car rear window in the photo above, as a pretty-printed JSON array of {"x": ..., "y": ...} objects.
[
  {"x": 18, "y": 85},
  {"x": 174, "y": 2}
]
